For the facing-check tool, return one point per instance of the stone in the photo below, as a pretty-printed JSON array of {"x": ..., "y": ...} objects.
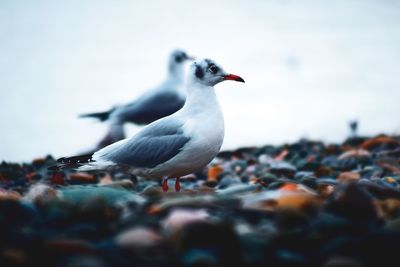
[
  {"x": 138, "y": 237},
  {"x": 346, "y": 177},
  {"x": 352, "y": 202},
  {"x": 179, "y": 217}
]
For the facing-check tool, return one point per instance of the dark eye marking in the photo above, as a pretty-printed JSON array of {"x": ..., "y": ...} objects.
[
  {"x": 199, "y": 72},
  {"x": 214, "y": 69},
  {"x": 178, "y": 58}
]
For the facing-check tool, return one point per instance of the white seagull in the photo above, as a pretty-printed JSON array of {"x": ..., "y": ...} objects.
[
  {"x": 173, "y": 146},
  {"x": 157, "y": 103}
]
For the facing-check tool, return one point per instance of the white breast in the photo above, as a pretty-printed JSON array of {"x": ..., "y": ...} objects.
[{"x": 204, "y": 124}]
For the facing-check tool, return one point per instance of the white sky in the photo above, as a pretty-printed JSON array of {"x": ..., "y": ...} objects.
[{"x": 310, "y": 67}]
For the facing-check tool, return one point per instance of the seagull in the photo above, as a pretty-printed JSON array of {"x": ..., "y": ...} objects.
[
  {"x": 176, "y": 145},
  {"x": 159, "y": 102}
]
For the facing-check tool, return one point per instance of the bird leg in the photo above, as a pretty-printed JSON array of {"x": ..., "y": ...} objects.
[
  {"x": 165, "y": 184},
  {"x": 177, "y": 184}
]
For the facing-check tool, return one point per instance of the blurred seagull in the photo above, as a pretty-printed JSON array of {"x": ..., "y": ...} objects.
[
  {"x": 157, "y": 103},
  {"x": 173, "y": 146}
]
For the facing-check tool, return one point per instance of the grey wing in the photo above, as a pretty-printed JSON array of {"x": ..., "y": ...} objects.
[
  {"x": 154, "y": 145},
  {"x": 150, "y": 108}
]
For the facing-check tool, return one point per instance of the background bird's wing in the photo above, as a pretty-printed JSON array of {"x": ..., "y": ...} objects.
[{"x": 150, "y": 107}]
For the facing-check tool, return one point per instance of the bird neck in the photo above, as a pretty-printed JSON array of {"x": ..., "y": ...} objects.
[
  {"x": 176, "y": 73},
  {"x": 200, "y": 98}
]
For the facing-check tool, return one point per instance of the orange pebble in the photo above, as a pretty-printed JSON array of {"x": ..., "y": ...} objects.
[
  {"x": 9, "y": 195},
  {"x": 213, "y": 172},
  {"x": 282, "y": 155},
  {"x": 378, "y": 141},
  {"x": 348, "y": 177},
  {"x": 289, "y": 187},
  {"x": 82, "y": 177}
]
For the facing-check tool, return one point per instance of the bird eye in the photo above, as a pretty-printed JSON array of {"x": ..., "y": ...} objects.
[
  {"x": 178, "y": 58},
  {"x": 214, "y": 69}
]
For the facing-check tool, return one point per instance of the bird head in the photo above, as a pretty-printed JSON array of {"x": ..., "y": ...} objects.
[
  {"x": 209, "y": 73},
  {"x": 177, "y": 59}
]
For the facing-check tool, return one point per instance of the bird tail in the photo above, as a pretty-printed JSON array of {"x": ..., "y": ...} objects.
[
  {"x": 72, "y": 162},
  {"x": 102, "y": 116}
]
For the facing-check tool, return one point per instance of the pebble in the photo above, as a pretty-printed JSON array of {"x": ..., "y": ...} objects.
[
  {"x": 41, "y": 192},
  {"x": 82, "y": 178},
  {"x": 214, "y": 172},
  {"x": 355, "y": 153},
  {"x": 9, "y": 195},
  {"x": 228, "y": 180},
  {"x": 353, "y": 203},
  {"x": 177, "y": 218},
  {"x": 380, "y": 143},
  {"x": 282, "y": 168},
  {"x": 138, "y": 237},
  {"x": 346, "y": 177}
]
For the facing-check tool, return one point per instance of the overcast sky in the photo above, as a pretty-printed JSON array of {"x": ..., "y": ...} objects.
[{"x": 310, "y": 67}]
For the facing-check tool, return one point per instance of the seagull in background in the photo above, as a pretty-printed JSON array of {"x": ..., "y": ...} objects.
[
  {"x": 173, "y": 146},
  {"x": 353, "y": 128},
  {"x": 157, "y": 103}
]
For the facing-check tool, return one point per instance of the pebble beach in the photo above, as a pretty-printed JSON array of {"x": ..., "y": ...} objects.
[{"x": 306, "y": 203}]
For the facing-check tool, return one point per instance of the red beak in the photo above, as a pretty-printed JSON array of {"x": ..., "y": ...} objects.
[{"x": 233, "y": 77}]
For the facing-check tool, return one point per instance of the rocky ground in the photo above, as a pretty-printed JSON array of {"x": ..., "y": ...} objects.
[{"x": 301, "y": 204}]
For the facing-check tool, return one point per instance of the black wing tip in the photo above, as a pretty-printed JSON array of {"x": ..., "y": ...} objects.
[
  {"x": 61, "y": 160},
  {"x": 71, "y": 162}
]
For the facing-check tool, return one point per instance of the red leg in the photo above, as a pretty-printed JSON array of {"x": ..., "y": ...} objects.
[
  {"x": 165, "y": 185},
  {"x": 177, "y": 184}
]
